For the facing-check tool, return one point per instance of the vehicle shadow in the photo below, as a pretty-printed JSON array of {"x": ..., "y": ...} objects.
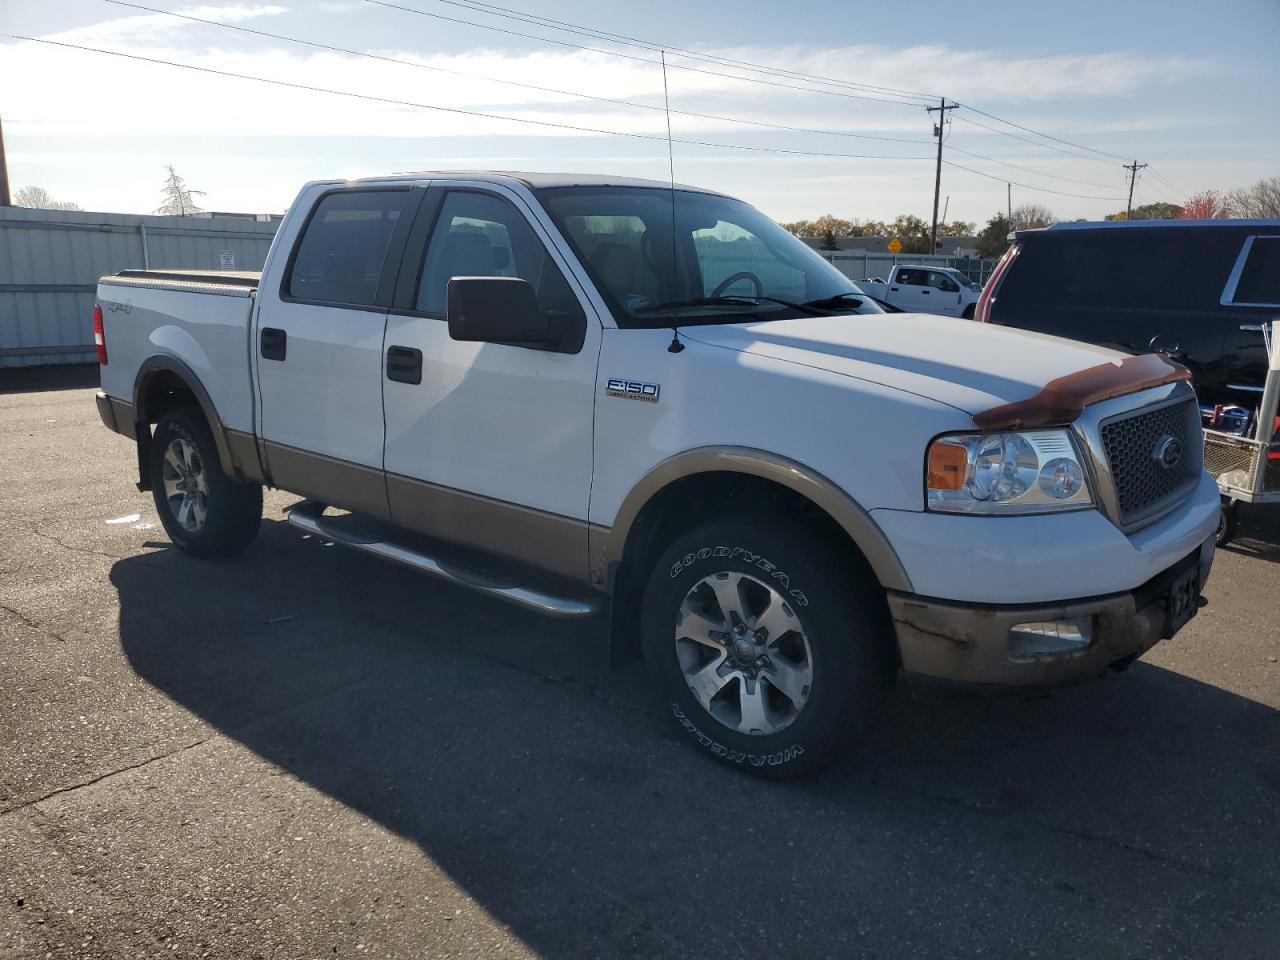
[{"x": 553, "y": 793}]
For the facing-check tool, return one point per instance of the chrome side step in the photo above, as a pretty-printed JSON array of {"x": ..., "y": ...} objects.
[{"x": 309, "y": 516}]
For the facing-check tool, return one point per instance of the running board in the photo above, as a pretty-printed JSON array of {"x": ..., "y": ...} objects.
[{"x": 309, "y": 516}]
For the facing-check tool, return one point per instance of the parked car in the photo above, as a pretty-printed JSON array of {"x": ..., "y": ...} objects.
[
  {"x": 919, "y": 289},
  {"x": 544, "y": 388},
  {"x": 1195, "y": 290}
]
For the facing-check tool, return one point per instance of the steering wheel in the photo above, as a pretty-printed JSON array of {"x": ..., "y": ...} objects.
[{"x": 729, "y": 281}]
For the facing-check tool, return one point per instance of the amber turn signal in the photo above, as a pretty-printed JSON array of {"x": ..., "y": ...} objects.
[{"x": 948, "y": 464}]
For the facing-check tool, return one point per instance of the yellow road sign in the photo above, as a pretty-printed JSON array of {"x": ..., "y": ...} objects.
[{"x": 895, "y": 245}]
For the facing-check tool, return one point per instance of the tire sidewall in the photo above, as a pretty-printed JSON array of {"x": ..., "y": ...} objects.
[{"x": 846, "y": 682}]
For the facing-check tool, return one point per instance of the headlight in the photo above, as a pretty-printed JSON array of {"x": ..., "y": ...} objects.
[{"x": 1037, "y": 471}]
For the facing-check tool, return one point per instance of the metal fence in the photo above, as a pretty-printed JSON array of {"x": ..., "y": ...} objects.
[
  {"x": 862, "y": 266},
  {"x": 50, "y": 262}
]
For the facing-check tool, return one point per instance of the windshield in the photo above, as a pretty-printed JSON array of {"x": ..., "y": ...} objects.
[{"x": 725, "y": 263}]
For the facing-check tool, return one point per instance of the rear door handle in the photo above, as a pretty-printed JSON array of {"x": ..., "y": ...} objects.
[
  {"x": 273, "y": 343},
  {"x": 404, "y": 364},
  {"x": 926, "y": 292}
]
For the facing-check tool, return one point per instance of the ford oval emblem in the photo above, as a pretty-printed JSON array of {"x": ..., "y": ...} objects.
[{"x": 1168, "y": 452}]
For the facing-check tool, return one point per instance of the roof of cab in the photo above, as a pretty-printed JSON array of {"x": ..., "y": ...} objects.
[
  {"x": 1149, "y": 225},
  {"x": 534, "y": 181}
]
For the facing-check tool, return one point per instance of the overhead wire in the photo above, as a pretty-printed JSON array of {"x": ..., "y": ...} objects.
[
  {"x": 576, "y": 128},
  {"x": 315, "y": 44}
]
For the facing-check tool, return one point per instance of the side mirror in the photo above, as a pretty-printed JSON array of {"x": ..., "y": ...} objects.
[{"x": 497, "y": 310}]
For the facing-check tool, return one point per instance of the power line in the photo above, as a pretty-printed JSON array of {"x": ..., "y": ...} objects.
[
  {"x": 627, "y": 56},
  {"x": 1040, "y": 173},
  {"x": 583, "y": 30},
  {"x": 655, "y": 46},
  {"x": 1026, "y": 186},
  {"x": 576, "y": 128},
  {"x": 1034, "y": 143},
  {"x": 1047, "y": 136},
  {"x": 514, "y": 83}
]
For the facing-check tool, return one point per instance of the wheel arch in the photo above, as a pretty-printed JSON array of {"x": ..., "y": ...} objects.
[
  {"x": 160, "y": 379},
  {"x": 676, "y": 491}
]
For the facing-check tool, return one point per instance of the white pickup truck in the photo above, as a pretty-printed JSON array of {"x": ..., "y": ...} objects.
[
  {"x": 922, "y": 289},
  {"x": 585, "y": 394}
]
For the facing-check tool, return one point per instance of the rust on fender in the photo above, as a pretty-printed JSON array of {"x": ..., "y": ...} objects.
[{"x": 1061, "y": 401}]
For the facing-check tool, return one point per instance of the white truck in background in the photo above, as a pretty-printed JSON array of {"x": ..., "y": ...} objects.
[
  {"x": 582, "y": 394},
  {"x": 923, "y": 289}
]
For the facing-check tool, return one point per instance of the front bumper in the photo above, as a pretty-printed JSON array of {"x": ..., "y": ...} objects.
[{"x": 973, "y": 643}]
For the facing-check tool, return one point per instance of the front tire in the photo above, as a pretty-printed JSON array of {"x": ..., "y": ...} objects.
[
  {"x": 768, "y": 650},
  {"x": 205, "y": 512}
]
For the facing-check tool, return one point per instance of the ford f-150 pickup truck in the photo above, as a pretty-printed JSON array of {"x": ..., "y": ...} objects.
[
  {"x": 920, "y": 289},
  {"x": 584, "y": 394}
]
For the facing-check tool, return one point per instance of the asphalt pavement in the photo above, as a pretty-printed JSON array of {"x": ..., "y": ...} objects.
[{"x": 309, "y": 753}]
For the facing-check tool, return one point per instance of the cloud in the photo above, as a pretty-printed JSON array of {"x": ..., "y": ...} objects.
[{"x": 144, "y": 27}]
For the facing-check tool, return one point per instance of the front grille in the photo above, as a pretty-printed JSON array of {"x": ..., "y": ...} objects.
[{"x": 1146, "y": 487}]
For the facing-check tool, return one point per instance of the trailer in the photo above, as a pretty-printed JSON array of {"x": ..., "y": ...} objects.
[{"x": 1246, "y": 464}]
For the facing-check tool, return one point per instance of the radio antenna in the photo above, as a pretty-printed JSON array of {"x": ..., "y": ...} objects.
[{"x": 675, "y": 346}]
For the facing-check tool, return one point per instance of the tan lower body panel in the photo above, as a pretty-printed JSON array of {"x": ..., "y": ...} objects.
[
  {"x": 338, "y": 483},
  {"x": 544, "y": 540}
]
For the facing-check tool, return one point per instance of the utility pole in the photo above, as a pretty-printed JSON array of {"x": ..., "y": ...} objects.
[
  {"x": 1133, "y": 169},
  {"x": 5, "y": 200},
  {"x": 1009, "y": 204},
  {"x": 937, "y": 176}
]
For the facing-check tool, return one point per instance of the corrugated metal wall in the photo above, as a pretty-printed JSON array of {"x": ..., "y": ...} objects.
[{"x": 50, "y": 262}]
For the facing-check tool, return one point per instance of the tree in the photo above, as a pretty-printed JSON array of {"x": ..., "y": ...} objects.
[
  {"x": 868, "y": 228},
  {"x": 38, "y": 198},
  {"x": 913, "y": 232},
  {"x": 1033, "y": 216},
  {"x": 993, "y": 241},
  {"x": 828, "y": 237},
  {"x": 1206, "y": 205},
  {"x": 177, "y": 196},
  {"x": 956, "y": 228},
  {"x": 1261, "y": 201},
  {"x": 1149, "y": 211}
]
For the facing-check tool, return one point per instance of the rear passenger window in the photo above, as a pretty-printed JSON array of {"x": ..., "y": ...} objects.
[
  {"x": 339, "y": 259},
  {"x": 1259, "y": 281}
]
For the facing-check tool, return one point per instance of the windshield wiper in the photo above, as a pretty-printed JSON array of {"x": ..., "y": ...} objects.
[
  {"x": 742, "y": 300},
  {"x": 834, "y": 302}
]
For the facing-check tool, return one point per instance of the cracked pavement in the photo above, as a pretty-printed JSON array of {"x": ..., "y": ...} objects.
[{"x": 307, "y": 753}]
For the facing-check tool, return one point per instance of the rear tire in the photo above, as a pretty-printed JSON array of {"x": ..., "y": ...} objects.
[
  {"x": 798, "y": 669},
  {"x": 204, "y": 511}
]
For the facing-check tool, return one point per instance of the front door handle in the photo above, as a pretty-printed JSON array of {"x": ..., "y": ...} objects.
[
  {"x": 926, "y": 292},
  {"x": 273, "y": 343},
  {"x": 404, "y": 364},
  {"x": 893, "y": 289}
]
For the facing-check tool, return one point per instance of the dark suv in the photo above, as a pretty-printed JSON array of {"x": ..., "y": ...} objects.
[{"x": 1194, "y": 289}]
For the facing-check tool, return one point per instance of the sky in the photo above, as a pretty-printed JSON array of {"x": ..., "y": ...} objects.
[{"x": 1188, "y": 88}]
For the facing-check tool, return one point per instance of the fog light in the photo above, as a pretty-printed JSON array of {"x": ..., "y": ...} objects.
[{"x": 1049, "y": 638}]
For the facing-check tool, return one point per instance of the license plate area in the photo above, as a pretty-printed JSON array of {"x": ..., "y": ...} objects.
[{"x": 1182, "y": 602}]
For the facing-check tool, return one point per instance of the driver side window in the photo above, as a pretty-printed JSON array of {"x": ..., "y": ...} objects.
[{"x": 481, "y": 235}]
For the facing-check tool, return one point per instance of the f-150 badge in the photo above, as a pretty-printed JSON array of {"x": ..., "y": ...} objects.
[{"x": 632, "y": 390}]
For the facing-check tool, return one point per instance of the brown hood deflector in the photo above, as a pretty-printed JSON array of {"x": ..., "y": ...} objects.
[{"x": 1061, "y": 401}]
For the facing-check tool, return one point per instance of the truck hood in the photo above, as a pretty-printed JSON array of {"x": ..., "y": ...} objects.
[{"x": 967, "y": 365}]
